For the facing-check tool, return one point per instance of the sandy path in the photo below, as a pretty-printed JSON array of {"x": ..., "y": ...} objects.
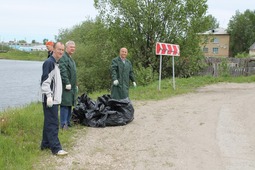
[{"x": 211, "y": 129}]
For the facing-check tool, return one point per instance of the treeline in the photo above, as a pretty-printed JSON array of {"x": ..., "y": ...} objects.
[
  {"x": 138, "y": 25},
  {"x": 241, "y": 28}
]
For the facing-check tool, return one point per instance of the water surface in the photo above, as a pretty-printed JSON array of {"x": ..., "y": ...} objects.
[{"x": 19, "y": 82}]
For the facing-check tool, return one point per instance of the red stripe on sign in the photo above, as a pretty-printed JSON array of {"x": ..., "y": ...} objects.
[
  {"x": 163, "y": 49},
  {"x": 158, "y": 49},
  {"x": 175, "y": 51},
  {"x": 169, "y": 49}
]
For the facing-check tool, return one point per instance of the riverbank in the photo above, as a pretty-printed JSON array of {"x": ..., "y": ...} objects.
[
  {"x": 22, "y": 55},
  {"x": 21, "y": 128}
]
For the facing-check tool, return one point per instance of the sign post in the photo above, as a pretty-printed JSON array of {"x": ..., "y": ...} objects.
[
  {"x": 167, "y": 49},
  {"x": 160, "y": 68},
  {"x": 173, "y": 73}
]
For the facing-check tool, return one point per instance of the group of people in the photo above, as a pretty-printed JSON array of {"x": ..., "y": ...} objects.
[{"x": 59, "y": 88}]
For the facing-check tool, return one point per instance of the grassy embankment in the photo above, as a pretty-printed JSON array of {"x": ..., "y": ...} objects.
[
  {"x": 21, "y": 128},
  {"x": 21, "y": 55}
]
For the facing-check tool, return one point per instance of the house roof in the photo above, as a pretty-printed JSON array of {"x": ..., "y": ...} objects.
[
  {"x": 216, "y": 31},
  {"x": 252, "y": 47}
]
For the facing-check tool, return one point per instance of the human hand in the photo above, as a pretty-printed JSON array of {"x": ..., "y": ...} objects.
[
  {"x": 49, "y": 102},
  {"x": 115, "y": 82},
  {"x": 68, "y": 87},
  {"x": 134, "y": 84}
]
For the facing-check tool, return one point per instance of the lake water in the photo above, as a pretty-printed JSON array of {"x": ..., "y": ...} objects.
[{"x": 19, "y": 83}]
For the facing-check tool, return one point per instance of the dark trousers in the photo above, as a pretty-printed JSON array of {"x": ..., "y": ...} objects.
[
  {"x": 65, "y": 115},
  {"x": 50, "y": 129}
]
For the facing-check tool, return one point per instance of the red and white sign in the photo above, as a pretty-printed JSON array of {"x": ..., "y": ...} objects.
[{"x": 167, "y": 49}]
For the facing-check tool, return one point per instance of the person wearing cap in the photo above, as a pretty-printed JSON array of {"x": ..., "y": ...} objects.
[
  {"x": 121, "y": 73},
  {"x": 69, "y": 85},
  {"x": 49, "y": 46}
]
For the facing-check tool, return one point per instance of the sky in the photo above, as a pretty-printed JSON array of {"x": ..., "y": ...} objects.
[
  {"x": 41, "y": 19},
  {"x": 223, "y": 10},
  {"x": 37, "y": 20}
]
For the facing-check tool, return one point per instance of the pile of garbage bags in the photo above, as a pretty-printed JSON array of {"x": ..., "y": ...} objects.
[{"x": 103, "y": 112}]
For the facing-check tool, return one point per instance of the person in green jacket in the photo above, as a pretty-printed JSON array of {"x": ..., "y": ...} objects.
[
  {"x": 69, "y": 85},
  {"x": 121, "y": 73}
]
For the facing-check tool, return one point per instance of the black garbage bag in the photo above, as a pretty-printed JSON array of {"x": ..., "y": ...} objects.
[
  {"x": 104, "y": 112},
  {"x": 124, "y": 112},
  {"x": 83, "y": 104}
]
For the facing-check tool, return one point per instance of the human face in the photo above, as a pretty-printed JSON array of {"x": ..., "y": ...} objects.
[
  {"x": 58, "y": 51},
  {"x": 123, "y": 53},
  {"x": 70, "y": 49},
  {"x": 49, "y": 47}
]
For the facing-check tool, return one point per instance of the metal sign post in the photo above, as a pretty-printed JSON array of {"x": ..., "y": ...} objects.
[
  {"x": 173, "y": 73},
  {"x": 160, "y": 68}
]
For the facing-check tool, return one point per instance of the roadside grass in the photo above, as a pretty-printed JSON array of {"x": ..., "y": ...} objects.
[
  {"x": 22, "y": 55},
  {"x": 19, "y": 134},
  {"x": 20, "y": 137},
  {"x": 182, "y": 86},
  {"x": 21, "y": 128}
]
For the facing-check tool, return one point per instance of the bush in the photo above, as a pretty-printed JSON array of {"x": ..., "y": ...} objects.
[
  {"x": 224, "y": 68},
  {"x": 144, "y": 76},
  {"x": 242, "y": 55}
]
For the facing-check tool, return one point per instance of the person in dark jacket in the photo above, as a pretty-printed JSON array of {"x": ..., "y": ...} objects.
[
  {"x": 121, "y": 73},
  {"x": 69, "y": 85},
  {"x": 51, "y": 88},
  {"x": 49, "y": 46}
]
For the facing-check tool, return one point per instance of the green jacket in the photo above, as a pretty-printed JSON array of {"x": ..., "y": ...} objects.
[
  {"x": 123, "y": 72},
  {"x": 68, "y": 75}
]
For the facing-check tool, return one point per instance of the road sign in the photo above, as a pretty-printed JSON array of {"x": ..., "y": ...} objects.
[{"x": 167, "y": 49}]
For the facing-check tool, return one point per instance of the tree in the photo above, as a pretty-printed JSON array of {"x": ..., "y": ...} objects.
[
  {"x": 22, "y": 41},
  {"x": 213, "y": 21},
  {"x": 45, "y": 40},
  {"x": 241, "y": 28},
  {"x": 139, "y": 24},
  {"x": 93, "y": 54}
]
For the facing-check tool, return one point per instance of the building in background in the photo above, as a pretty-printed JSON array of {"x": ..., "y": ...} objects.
[
  {"x": 28, "y": 47},
  {"x": 252, "y": 50},
  {"x": 215, "y": 43}
]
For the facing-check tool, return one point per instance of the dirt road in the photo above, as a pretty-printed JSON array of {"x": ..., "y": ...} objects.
[{"x": 211, "y": 129}]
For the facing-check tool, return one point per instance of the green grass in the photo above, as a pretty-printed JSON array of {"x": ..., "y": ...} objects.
[
  {"x": 21, "y": 128},
  {"x": 20, "y": 137},
  {"x": 182, "y": 85},
  {"x": 21, "y": 55}
]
